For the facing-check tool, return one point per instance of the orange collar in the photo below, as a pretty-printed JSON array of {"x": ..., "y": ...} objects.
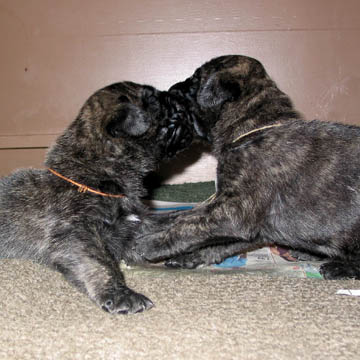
[
  {"x": 83, "y": 188},
  {"x": 256, "y": 130}
]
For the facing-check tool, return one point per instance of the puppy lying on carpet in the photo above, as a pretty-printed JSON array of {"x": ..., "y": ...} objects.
[
  {"x": 280, "y": 180},
  {"x": 79, "y": 215}
]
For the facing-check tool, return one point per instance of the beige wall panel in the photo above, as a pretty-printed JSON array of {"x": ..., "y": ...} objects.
[
  {"x": 114, "y": 17},
  {"x": 56, "y": 53},
  {"x": 20, "y": 158},
  {"x": 62, "y": 74},
  {"x": 190, "y": 166}
]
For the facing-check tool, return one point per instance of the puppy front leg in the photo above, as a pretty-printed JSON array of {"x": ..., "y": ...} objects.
[
  {"x": 161, "y": 221},
  {"x": 206, "y": 256},
  {"x": 90, "y": 267},
  {"x": 212, "y": 224}
]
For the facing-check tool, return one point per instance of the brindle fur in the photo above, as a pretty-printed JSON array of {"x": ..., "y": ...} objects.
[
  {"x": 119, "y": 136},
  {"x": 295, "y": 185}
]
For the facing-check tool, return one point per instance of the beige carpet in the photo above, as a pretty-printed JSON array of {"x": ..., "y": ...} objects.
[{"x": 198, "y": 315}]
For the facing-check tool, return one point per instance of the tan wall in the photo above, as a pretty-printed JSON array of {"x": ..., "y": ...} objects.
[{"x": 54, "y": 54}]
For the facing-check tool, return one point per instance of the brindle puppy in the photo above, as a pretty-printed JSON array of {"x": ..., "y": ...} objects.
[
  {"x": 280, "y": 180},
  {"x": 120, "y": 134}
]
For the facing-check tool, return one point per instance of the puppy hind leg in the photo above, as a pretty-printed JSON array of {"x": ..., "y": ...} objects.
[
  {"x": 305, "y": 256},
  {"x": 212, "y": 224},
  {"x": 340, "y": 268}
]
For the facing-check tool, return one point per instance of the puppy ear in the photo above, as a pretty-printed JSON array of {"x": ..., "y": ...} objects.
[
  {"x": 130, "y": 121},
  {"x": 218, "y": 89}
]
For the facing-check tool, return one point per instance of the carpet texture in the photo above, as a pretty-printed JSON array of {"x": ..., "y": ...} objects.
[{"x": 198, "y": 315}]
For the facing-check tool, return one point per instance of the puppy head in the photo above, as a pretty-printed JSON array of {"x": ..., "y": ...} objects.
[
  {"x": 220, "y": 81},
  {"x": 145, "y": 115},
  {"x": 127, "y": 124}
]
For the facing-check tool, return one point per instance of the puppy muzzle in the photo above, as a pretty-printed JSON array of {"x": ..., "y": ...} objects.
[
  {"x": 177, "y": 132},
  {"x": 186, "y": 94}
]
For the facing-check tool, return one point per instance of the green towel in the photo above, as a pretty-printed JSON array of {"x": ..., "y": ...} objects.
[{"x": 188, "y": 192}]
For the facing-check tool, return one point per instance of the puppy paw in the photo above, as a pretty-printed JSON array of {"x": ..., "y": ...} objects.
[
  {"x": 152, "y": 247},
  {"x": 125, "y": 301},
  {"x": 339, "y": 269},
  {"x": 188, "y": 261},
  {"x": 304, "y": 256}
]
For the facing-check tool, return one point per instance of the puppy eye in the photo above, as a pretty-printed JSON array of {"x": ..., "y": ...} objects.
[{"x": 123, "y": 99}]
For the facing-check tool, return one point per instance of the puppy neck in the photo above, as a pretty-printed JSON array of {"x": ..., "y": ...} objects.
[
  {"x": 256, "y": 130},
  {"x": 83, "y": 188}
]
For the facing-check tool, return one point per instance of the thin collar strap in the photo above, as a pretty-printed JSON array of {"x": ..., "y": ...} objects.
[
  {"x": 83, "y": 188},
  {"x": 256, "y": 130}
]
